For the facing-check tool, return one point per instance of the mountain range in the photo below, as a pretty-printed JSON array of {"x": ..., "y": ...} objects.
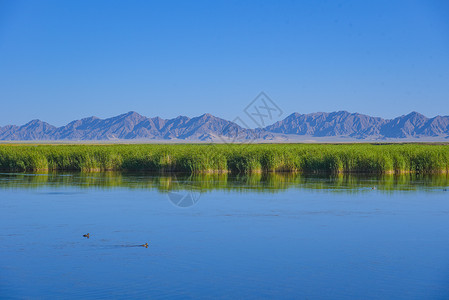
[{"x": 340, "y": 125}]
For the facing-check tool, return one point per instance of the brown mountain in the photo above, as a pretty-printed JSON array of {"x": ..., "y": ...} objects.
[
  {"x": 132, "y": 126},
  {"x": 341, "y": 123},
  {"x": 358, "y": 126}
]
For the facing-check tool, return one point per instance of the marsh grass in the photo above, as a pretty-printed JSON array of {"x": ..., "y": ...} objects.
[{"x": 223, "y": 158}]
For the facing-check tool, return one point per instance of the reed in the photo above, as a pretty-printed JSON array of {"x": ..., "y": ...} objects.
[{"x": 223, "y": 158}]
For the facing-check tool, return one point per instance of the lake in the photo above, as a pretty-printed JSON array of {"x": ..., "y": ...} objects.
[{"x": 222, "y": 236}]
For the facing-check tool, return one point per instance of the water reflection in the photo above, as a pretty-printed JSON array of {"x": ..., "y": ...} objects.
[
  {"x": 250, "y": 236},
  {"x": 184, "y": 189}
]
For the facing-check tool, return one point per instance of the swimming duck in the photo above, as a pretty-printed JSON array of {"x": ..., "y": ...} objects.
[
  {"x": 144, "y": 245},
  {"x": 86, "y": 235}
]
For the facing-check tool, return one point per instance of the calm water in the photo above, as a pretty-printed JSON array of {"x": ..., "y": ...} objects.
[{"x": 273, "y": 236}]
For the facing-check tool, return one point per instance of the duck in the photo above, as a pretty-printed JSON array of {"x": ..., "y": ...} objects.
[
  {"x": 86, "y": 235},
  {"x": 373, "y": 188},
  {"x": 144, "y": 245}
]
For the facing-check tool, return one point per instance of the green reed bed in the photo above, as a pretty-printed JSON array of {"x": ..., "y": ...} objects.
[{"x": 217, "y": 158}]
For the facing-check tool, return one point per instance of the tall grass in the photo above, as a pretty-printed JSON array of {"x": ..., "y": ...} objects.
[{"x": 216, "y": 158}]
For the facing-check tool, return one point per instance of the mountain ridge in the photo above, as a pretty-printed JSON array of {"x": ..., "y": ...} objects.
[{"x": 209, "y": 128}]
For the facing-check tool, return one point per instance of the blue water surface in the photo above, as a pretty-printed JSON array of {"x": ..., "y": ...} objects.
[{"x": 294, "y": 243}]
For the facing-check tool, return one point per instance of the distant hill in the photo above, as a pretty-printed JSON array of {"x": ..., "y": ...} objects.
[
  {"x": 358, "y": 126},
  {"x": 133, "y": 126}
]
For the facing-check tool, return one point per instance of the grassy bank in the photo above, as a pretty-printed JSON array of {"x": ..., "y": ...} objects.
[{"x": 204, "y": 158}]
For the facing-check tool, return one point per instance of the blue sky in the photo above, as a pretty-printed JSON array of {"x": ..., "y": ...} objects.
[{"x": 64, "y": 60}]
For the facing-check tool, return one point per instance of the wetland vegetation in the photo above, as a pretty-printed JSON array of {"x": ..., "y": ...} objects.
[{"x": 228, "y": 158}]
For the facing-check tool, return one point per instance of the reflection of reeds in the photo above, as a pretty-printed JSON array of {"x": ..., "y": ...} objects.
[
  {"x": 270, "y": 182},
  {"x": 213, "y": 158}
]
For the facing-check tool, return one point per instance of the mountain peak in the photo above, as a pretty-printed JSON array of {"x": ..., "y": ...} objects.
[
  {"x": 295, "y": 114},
  {"x": 343, "y": 112},
  {"x": 132, "y": 114},
  {"x": 90, "y": 118},
  {"x": 415, "y": 114},
  {"x": 34, "y": 122},
  {"x": 206, "y": 116}
]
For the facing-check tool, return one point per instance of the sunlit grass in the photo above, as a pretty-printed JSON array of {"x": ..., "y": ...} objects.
[{"x": 222, "y": 158}]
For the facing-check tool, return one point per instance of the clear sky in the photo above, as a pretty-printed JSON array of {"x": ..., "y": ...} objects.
[{"x": 64, "y": 60}]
